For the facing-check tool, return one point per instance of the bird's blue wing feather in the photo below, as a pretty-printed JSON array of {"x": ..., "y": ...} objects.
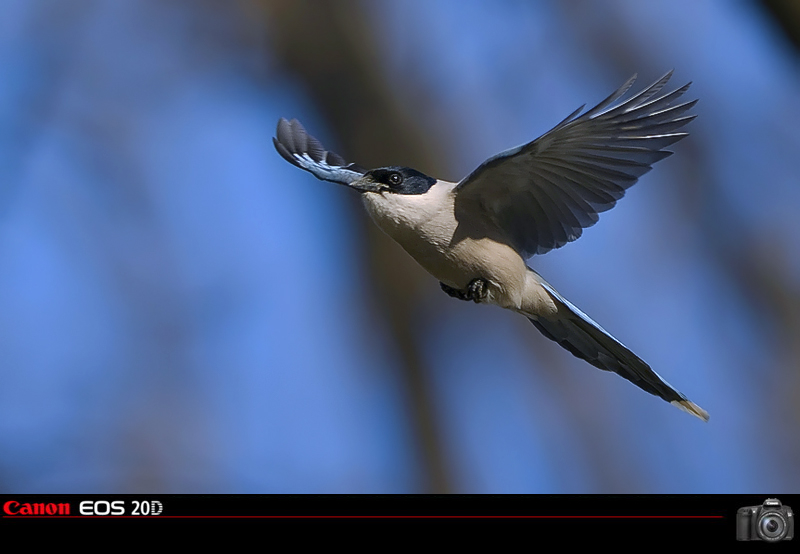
[
  {"x": 299, "y": 148},
  {"x": 544, "y": 193}
]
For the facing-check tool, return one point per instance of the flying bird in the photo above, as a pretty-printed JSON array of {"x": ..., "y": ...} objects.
[{"x": 475, "y": 236}]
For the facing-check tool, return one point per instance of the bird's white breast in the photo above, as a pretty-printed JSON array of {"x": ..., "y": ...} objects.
[{"x": 425, "y": 226}]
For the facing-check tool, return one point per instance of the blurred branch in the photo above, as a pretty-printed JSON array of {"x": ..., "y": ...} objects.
[
  {"x": 331, "y": 48},
  {"x": 787, "y": 15}
]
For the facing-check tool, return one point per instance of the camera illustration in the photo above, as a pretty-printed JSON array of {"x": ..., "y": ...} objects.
[{"x": 770, "y": 522}]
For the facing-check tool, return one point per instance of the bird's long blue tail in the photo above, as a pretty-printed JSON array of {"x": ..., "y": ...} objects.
[{"x": 584, "y": 338}]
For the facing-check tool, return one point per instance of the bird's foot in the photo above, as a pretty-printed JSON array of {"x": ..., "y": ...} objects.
[{"x": 475, "y": 291}]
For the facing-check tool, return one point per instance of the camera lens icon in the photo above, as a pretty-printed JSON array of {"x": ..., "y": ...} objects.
[{"x": 771, "y": 527}]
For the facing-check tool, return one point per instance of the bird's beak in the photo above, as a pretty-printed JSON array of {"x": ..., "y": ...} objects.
[{"x": 365, "y": 184}]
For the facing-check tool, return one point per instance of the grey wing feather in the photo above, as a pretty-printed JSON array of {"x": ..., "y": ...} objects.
[
  {"x": 578, "y": 333},
  {"x": 299, "y": 148},
  {"x": 544, "y": 193}
]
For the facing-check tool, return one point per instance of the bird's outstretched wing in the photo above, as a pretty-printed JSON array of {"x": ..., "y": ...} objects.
[
  {"x": 578, "y": 333},
  {"x": 301, "y": 149},
  {"x": 544, "y": 193}
]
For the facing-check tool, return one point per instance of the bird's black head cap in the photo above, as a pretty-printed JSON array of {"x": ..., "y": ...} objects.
[{"x": 402, "y": 180}]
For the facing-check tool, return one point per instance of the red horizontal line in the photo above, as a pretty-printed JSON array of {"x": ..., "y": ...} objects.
[{"x": 361, "y": 517}]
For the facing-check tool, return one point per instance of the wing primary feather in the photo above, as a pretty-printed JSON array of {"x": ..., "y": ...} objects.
[
  {"x": 627, "y": 108},
  {"x": 558, "y": 228},
  {"x": 584, "y": 211},
  {"x": 674, "y": 110},
  {"x": 643, "y": 97},
  {"x": 650, "y": 91},
  {"x": 563, "y": 122},
  {"x": 611, "y": 98},
  {"x": 594, "y": 193},
  {"x": 299, "y": 148}
]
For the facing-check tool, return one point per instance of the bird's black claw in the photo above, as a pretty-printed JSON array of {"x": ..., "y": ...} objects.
[{"x": 476, "y": 290}]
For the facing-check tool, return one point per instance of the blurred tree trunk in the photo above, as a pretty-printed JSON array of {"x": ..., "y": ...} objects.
[
  {"x": 330, "y": 48},
  {"x": 787, "y": 14}
]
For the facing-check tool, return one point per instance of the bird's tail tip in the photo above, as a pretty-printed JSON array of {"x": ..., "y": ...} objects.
[{"x": 691, "y": 408}]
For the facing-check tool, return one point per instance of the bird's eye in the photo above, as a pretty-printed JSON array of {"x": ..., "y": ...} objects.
[{"x": 395, "y": 178}]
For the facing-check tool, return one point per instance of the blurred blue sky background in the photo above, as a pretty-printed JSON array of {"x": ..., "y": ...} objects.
[{"x": 183, "y": 311}]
